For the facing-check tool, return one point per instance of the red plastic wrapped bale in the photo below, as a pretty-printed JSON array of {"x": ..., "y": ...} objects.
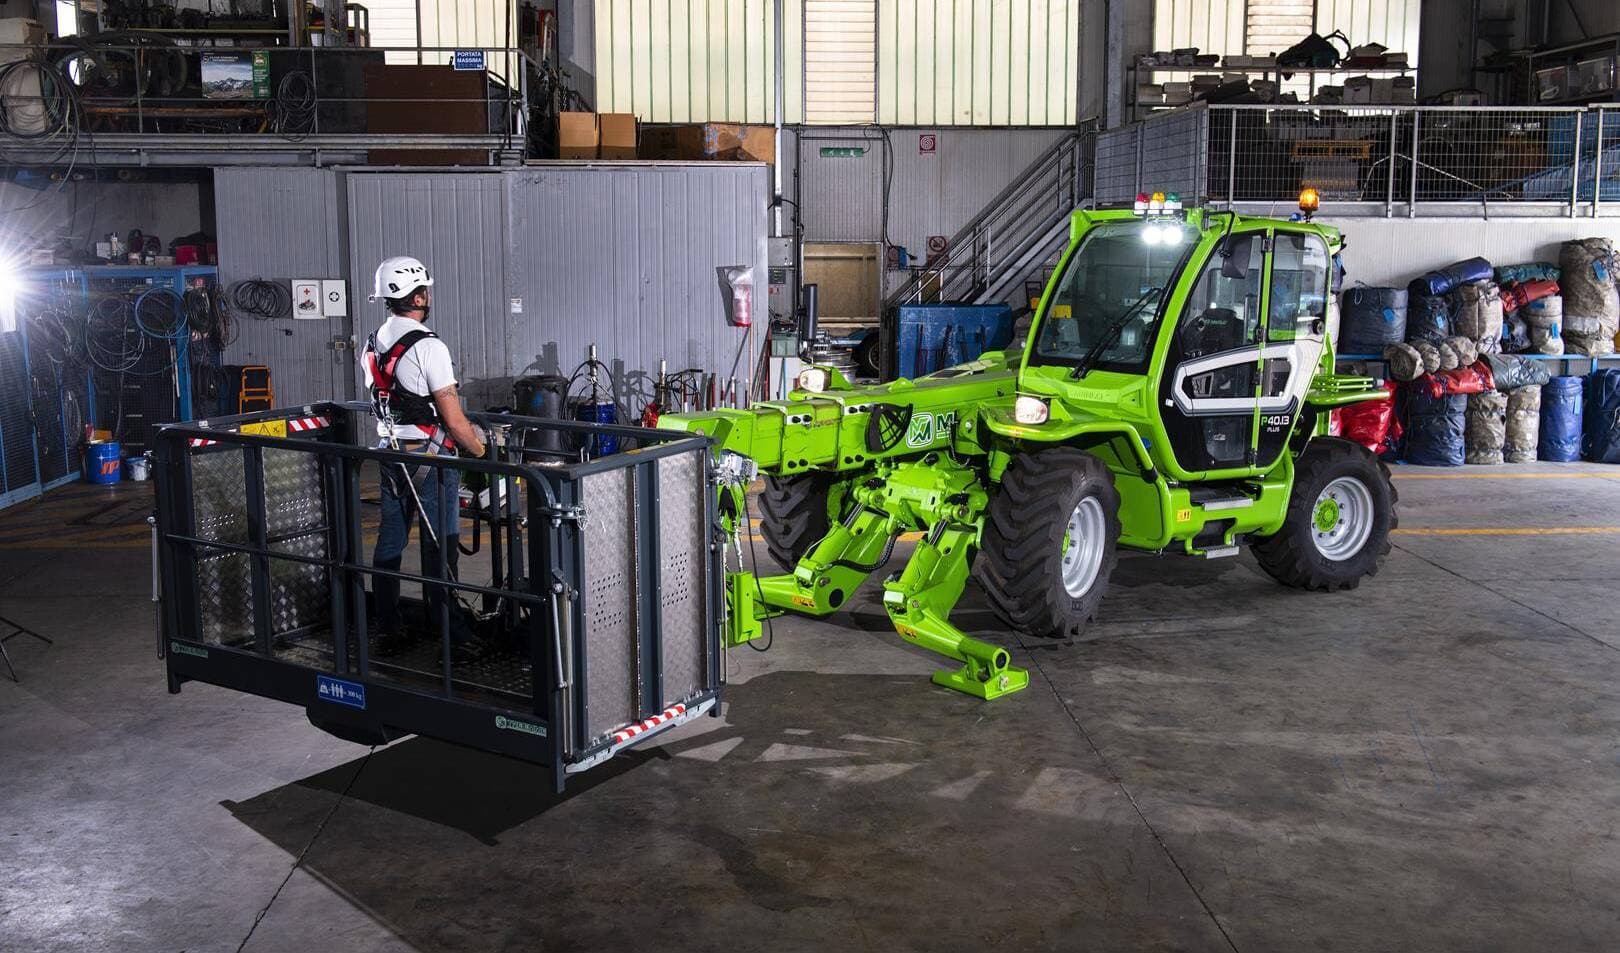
[
  {"x": 1370, "y": 423},
  {"x": 1476, "y": 378},
  {"x": 1517, "y": 296}
]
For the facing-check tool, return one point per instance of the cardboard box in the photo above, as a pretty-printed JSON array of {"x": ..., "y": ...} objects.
[
  {"x": 710, "y": 141},
  {"x": 578, "y": 136},
  {"x": 617, "y": 135}
]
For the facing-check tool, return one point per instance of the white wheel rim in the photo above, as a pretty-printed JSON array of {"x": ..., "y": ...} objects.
[
  {"x": 1342, "y": 519},
  {"x": 1083, "y": 542}
]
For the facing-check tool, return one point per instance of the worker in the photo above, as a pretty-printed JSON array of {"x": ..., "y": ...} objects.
[{"x": 412, "y": 383}]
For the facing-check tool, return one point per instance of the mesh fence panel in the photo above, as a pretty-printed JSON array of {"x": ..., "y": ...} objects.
[{"x": 1366, "y": 154}]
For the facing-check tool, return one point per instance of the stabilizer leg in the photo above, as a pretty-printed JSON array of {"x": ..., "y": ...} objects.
[
  {"x": 828, "y": 575},
  {"x": 919, "y": 603}
]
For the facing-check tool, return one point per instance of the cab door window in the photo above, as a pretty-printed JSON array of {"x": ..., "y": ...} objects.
[{"x": 1299, "y": 286}]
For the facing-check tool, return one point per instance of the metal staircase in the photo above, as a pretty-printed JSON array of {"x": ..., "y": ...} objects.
[
  {"x": 1018, "y": 233},
  {"x": 1013, "y": 234}
]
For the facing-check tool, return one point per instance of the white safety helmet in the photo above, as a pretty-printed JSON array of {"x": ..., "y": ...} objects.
[{"x": 398, "y": 277}]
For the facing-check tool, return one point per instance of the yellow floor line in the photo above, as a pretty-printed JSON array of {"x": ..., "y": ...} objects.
[
  {"x": 1508, "y": 531},
  {"x": 1584, "y": 475}
]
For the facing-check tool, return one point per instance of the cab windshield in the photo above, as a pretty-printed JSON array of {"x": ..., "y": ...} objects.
[{"x": 1121, "y": 273}]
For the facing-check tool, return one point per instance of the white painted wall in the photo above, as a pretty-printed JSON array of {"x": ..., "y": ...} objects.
[{"x": 1391, "y": 252}]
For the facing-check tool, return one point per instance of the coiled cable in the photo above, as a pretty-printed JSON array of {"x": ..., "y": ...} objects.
[{"x": 260, "y": 299}]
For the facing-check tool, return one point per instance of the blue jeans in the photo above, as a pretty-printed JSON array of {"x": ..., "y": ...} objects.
[{"x": 441, "y": 509}]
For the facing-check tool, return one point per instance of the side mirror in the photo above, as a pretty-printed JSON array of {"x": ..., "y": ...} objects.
[{"x": 1234, "y": 254}]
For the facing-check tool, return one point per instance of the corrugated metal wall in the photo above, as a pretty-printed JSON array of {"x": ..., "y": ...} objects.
[
  {"x": 626, "y": 258},
  {"x": 623, "y": 257},
  {"x": 282, "y": 224},
  {"x": 1214, "y": 26},
  {"x": 1258, "y": 27},
  {"x": 1394, "y": 23},
  {"x": 940, "y": 62},
  {"x": 696, "y": 60},
  {"x": 840, "y": 61},
  {"x": 455, "y": 223},
  {"x": 978, "y": 62}
]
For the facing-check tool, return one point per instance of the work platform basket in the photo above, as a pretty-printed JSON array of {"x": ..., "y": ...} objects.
[{"x": 586, "y": 611}]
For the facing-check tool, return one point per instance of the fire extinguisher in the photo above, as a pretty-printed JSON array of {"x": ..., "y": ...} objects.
[{"x": 738, "y": 282}]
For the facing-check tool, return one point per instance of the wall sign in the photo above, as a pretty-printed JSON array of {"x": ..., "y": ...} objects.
[
  {"x": 927, "y": 143},
  {"x": 468, "y": 60}
]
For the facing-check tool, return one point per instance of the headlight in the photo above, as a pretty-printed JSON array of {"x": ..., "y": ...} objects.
[
  {"x": 813, "y": 379},
  {"x": 1030, "y": 410}
]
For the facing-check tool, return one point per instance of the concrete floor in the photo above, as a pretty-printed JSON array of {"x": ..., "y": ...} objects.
[{"x": 1429, "y": 763}]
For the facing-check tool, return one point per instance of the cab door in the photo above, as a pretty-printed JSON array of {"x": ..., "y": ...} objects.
[
  {"x": 1298, "y": 299},
  {"x": 1209, "y": 393}
]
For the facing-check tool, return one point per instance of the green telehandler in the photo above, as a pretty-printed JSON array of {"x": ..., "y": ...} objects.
[{"x": 1172, "y": 396}]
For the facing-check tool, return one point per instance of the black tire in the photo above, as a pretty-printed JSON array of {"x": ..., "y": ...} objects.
[
  {"x": 1292, "y": 556},
  {"x": 797, "y": 515},
  {"x": 868, "y": 358},
  {"x": 1021, "y": 566}
]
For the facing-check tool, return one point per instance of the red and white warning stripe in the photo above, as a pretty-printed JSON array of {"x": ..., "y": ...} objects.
[
  {"x": 630, "y": 731},
  {"x": 200, "y": 442},
  {"x": 303, "y": 424}
]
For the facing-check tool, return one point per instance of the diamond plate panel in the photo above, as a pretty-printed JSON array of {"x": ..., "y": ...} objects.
[
  {"x": 682, "y": 575},
  {"x": 217, "y": 493},
  {"x": 224, "y": 580},
  {"x": 610, "y": 675},
  {"x": 294, "y": 495},
  {"x": 299, "y": 596},
  {"x": 225, "y": 598}
]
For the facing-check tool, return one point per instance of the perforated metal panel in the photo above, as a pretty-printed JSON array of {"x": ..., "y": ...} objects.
[
  {"x": 682, "y": 574},
  {"x": 609, "y": 602}
]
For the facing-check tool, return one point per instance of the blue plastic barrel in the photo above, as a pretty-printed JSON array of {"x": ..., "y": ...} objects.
[
  {"x": 103, "y": 462},
  {"x": 599, "y": 412},
  {"x": 1561, "y": 403}
]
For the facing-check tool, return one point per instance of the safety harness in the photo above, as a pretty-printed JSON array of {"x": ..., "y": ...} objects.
[{"x": 395, "y": 406}]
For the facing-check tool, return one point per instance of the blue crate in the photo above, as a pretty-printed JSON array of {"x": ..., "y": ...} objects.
[{"x": 933, "y": 337}]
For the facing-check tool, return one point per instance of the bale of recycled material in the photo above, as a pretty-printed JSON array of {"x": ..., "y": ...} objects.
[
  {"x": 1467, "y": 351},
  {"x": 1430, "y": 353},
  {"x": 1370, "y": 318},
  {"x": 1591, "y": 300},
  {"x": 1486, "y": 430},
  {"x": 1510, "y": 372},
  {"x": 1546, "y": 319},
  {"x": 1584, "y": 334},
  {"x": 1562, "y": 403},
  {"x": 1405, "y": 363},
  {"x": 1600, "y": 442},
  {"x": 1443, "y": 280},
  {"x": 1428, "y": 318},
  {"x": 1477, "y": 314},
  {"x": 1529, "y": 271},
  {"x": 1449, "y": 359},
  {"x": 1523, "y": 425},
  {"x": 1587, "y": 284},
  {"x": 1434, "y": 428}
]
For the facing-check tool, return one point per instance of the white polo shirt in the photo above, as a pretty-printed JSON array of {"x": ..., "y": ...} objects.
[{"x": 424, "y": 369}]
